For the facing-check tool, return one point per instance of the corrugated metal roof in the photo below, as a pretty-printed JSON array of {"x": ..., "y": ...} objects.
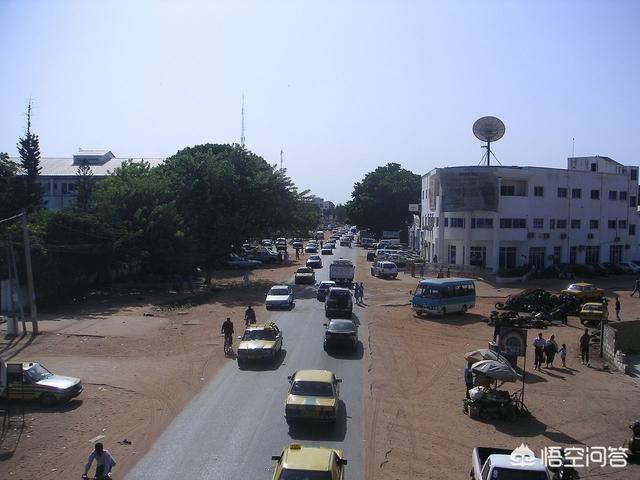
[{"x": 64, "y": 167}]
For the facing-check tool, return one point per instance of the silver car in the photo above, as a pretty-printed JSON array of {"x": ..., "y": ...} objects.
[{"x": 280, "y": 296}]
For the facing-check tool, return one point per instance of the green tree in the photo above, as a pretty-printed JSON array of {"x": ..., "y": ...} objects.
[
  {"x": 340, "y": 213},
  {"x": 8, "y": 187},
  {"x": 84, "y": 186},
  {"x": 29, "y": 151},
  {"x": 381, "y": 200}
]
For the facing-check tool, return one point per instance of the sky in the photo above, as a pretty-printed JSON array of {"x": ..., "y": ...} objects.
[{"x": 342, "y": 87}]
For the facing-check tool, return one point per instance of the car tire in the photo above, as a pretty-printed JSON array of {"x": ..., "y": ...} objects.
[
  {"x": 464, "y": 309},
  {"x": 48, "y": 399}
]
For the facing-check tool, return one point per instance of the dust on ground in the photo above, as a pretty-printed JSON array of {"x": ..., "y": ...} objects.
[
  {"x": 415, "y": 427},
  {"x": 141, "y": 353}
]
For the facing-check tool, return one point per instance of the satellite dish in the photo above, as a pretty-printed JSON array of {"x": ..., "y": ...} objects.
[{"x": 488, "y": 129}]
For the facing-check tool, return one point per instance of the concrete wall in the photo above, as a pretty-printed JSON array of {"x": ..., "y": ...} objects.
[{"x": 621, "y": 338}]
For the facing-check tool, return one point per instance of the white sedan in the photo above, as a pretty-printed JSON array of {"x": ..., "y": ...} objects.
[{"x": 280, "y": 296}]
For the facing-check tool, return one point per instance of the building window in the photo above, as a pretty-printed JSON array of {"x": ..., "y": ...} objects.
[
  {"x": 507, "y": 258},
  {"x": 513, "y": 223},
  {"x": 634, "y": 174},
  {"x": 595, "y": 194},
  {"x": 536, "y": 257},
  {"x": 573, "y": 255},
  {"x": 446, "y": 221},
  {"x": 482, "y": 223},
  {"x": 632, "y": 229},
  {"x": 437, "y": 221},
  {"x": 613, "y": 195},
  {"x": 594, "y": 167},
  {"x": 557, "y": 254},
  {"x": 622, "y": 224},
  {"x": 623, "y": 196},
  {"x": 451, "y": 254},
  {"x": 632, "y": 201},
  {"x": 538, "y": 223},
  {"x": 507, "y": 190},
  {"x": 538, "y": 191},
  {"x": 611, "y": 224},
  {"x": 576, "y": 193},
  {"x": 593, "y": 224},
  {"x": 561, "y": 224},
  {"x": 456, "y": 222},
  {"x": 592, "y": 255},
  {"x": 575, "y": 224},
  {"x": 552, "y": 223},
  {"x": 562, "y": 192},
  {"x": 615, "y": 253}
]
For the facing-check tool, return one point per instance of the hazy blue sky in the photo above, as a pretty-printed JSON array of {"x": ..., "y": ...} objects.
[{"x": 342, "y": 87}]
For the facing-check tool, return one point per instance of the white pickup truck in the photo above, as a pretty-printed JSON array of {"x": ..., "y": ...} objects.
[
  {"x": 342, "y": 271},
  {"x": 497, "y": 463}
]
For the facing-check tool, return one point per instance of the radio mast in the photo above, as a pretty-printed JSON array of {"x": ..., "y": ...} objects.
[
  {"x": 242, "y": 131},
  {"x": 281, "y": 158}
]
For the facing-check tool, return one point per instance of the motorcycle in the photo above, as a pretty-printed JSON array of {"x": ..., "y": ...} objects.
[{"x": 634, "y": 440}]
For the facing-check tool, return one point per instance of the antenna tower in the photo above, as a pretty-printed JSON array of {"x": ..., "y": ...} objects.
[
  {"x": 281, "y": 158},
  {"x": 242, "y": 131}
]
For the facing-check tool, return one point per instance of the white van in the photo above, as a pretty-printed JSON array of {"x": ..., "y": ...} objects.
[{"x": 384, "y": 269}]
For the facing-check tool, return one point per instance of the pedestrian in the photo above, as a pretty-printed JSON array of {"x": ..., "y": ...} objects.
[
  {"x": 468, "y": 377},
  {"x": 584, "y": 347},
  {"x": 361, "y": 293},
  {"x": 538, "y": 344},
  {"x": 440, "y": 273},
  {"x": 245, "y": 279},
  {"x": 435, "y": 259},
  {"x": 564, "y": 308},
  {"x": 618, "y": 308},
  {"x": 496, "y": 327},
  {"x": 637, "y": 289},
  {"x": 286, "y": 257},
  {"x": 448, "y": 272},
  {"x": 297, "y": 253},
  {"x": 422, "y": 270},
  {"x": 563, "y": 354},
  {"x": 550, "y": 350},
  {"x": 279, "y": 257}
]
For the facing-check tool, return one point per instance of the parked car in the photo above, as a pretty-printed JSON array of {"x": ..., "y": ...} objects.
[
  {"x": 323, "y": 289},
  {"x": 305, "y": 275},
  {"x": 243, "y": 262},
  {"x": 593, "y": 313},
  {"x": 584, "y": 291},
  {"x": 338, "y": 301},
  {"x": 384, "y": 269},
  {"x": 32, "y": 381},
  {"x": 263, "y": 255},
  {"x": 279, "y": 296},
  {"x": 260, "y": 341},
  {"x": 313, "y": 397},
  {"x": 498, "y": 463},
  {"x": 341, "y": 333},
  {"x": 314, "y": 261},
  {"x": 267, "y": 243},
  {"x": 371, "y": 255},
  {"x": 628, "y": 267}
]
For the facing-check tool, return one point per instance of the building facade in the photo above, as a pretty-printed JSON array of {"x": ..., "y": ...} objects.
[
  {"x": 59, "y": 175},
  {"x": 497, "y": 217}
]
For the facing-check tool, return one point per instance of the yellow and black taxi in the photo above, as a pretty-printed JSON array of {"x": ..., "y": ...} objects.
[
  {"x": 32, "y": 381},
  {"x": 313, "y": 397},
  {"x": 593, "y": 313},
  {"x": 584, "y": 291},
  {"x": 260, "y": 342},
  {"x": 299, "y": 462}
]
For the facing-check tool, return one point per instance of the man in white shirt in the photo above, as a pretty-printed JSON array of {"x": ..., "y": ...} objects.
[
  {"x": 104, "y": 462},
  {"x": 539, "y": 344}
]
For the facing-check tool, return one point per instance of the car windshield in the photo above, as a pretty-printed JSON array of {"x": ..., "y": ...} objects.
[
  {"x": 500, "y": 473},
  {"x": 37, "y": 372},
  {"x": 305, "y": 270},
  {"x": 279, "y": 291},
  {"x": 326, "y": 286},
  {"x": 312, "y": 389},
  {"x": 314, "y": 257},
  {"x": 259, "y": 335},
  {"x": 288, "y": 474},
  {"x": 341, "y": 326}
]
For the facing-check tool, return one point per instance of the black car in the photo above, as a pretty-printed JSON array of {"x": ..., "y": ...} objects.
[
  {"x": 323, "y": 289},
  {"x": 338, "y": 301},
  {"x": 371, "y": 255},
  {"x": 341, "y": 334}
]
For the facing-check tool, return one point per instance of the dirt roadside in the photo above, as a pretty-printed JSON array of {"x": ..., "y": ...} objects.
[
  {"x": 142, "y": 354},
  {"x": 415, "y": 427}
]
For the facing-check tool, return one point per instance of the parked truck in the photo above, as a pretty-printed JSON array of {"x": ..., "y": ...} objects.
[
  {"x": 342, "y": 271},
  {"x": 498, "y": 463}
]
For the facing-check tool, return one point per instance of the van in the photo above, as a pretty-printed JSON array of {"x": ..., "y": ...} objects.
[{"x": 384, "y": 269}]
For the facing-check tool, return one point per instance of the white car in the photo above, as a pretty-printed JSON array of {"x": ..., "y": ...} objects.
[
  {"x": 384, "y": 269},
  {"x": 628, "y": 267},
  {"x": 279, "y": 296}
]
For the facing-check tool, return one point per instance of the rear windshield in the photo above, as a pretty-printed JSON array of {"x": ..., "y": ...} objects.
[
  {"x": 500, "y": 473},
  {"x": 339, "y": 294},
  {"x": 304, "y": 475},
  {"x": 279, "y": 291},
  {"x": 341, "y": 326},
  {"x": 259, "y": 335},
  {"x": 312, "y": 389}
]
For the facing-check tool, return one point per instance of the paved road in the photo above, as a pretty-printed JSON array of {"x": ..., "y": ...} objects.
[{"x": 234, "y": 425}]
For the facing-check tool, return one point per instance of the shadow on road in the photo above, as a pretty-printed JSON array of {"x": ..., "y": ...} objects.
[
  {"x": 457, "y": 319},
  {"x": 335, "y": 432},
  {"x": 346, "y": 354},
  {"x": 263, "y": 366}
]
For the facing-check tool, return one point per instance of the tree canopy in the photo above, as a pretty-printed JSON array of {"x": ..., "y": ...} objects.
[
  {"x": 381, "y": 200},
  {"x": 29, "y": 152}
]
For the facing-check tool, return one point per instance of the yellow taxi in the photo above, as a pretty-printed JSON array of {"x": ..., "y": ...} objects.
[
  {"x": 584, "y": 291},
  {"x": 313, "y": 397},
  {"x": 309, "y": 463},
  {"x": 260, "y": 341},
  {"x": 593, "y": 312}
]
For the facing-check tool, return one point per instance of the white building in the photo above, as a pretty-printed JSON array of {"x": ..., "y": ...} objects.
[
  {"x": 500, "y": 217},
  {"x": 59, "y": 176}
]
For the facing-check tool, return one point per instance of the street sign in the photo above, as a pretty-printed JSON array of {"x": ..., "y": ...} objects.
[
  {"x": 414, "y": 207},
  {"x": 513, "y": 341}
]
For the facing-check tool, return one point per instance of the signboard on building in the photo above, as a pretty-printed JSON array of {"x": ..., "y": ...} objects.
[
  {"x": 414, "y": 207},
  {"x": 470, "y": 188}
]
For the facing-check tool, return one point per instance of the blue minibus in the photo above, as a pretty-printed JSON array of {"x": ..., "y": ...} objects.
[{"x": 444, "y": 295}]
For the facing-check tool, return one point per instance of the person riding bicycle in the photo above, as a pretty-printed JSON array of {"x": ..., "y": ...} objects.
[
  {"x": 249, "y": 316},
  {"x": 104, "y": 462},
  {"x": 227, "y": 329}
]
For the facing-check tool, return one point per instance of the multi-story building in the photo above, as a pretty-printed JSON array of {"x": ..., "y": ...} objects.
[
  {"x": 499, "y": 217},
  {"x": 59, "y": 176}
]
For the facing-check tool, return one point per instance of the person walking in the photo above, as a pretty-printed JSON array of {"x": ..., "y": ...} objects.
[
  {"x": 563, "y": 354},
  {"x": 637, "y": 289},
  {"x": 440, "y": 274},
  {"x": 245, "y": 279},
  {"x": 550, "y": 350},
  {"x": 297, "y": 253},
  {"x": 286, "y": 257},
  {"x": 435, "y": 259},
  {"x": 538, "y": 344},
  {"x": 468, "y": 377},
  {"x": 584, "y": 347},
  {"x": 104, "y": 462},
  {"x": 422, "y": 270},
  {"x": 361, "y": 293},
  {"x": 618, "y": 308}
]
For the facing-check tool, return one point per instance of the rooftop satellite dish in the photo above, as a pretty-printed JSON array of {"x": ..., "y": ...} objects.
[{"x": 488, "y": 129}]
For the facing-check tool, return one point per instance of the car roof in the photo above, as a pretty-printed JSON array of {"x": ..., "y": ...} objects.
[
  {"x": 505, "y": 461},
  {"x": 444, "y": 281},
  {"x": 299, "y": 457},
  {"x": 261, "y": 326},
  {"x": 340, "y": 289},
  {"x": 593, "y": 304},
  {"x": 581, "y": 284},
  {"x": 314, "y": 376},
  {"x": 327, "y": 282},
  {"x": 279, "y": 286},
  {"x": 305, "y": 269}
]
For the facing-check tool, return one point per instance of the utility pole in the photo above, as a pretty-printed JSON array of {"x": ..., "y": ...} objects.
[
  {"x": 27, "y": 257},
  {"x": 242, "y": 130},
  {"x": 18, "y": 289},
  {"x": 12, "y": 327}
]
